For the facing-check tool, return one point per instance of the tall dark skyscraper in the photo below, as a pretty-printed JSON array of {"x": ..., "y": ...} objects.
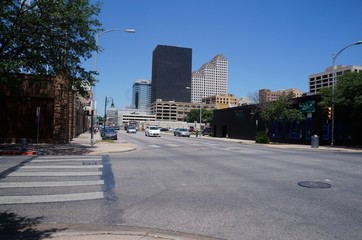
[{"x": 171, "y": 74}]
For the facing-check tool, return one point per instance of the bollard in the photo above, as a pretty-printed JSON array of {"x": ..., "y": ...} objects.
[
  {"x": 315, "y": 141},
  {"x": 23, "y": 144}
]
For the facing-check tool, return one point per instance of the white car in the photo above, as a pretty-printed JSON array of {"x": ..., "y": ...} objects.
[
  {"x": 153, "y": 131},
  {"x": 131, "y": 130}
]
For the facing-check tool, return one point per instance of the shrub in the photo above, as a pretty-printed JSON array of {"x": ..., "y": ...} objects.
[{"x": 262, "y": 137}]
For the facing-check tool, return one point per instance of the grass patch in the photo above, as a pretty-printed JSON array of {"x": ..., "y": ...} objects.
[{"x": 105, "y": 141}]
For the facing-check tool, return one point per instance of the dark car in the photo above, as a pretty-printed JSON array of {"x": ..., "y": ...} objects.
[
  {"x": 207, "y": 131},
  {"x": 109, "y": 133}
]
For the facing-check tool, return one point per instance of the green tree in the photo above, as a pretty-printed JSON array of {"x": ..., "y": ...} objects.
[
  {"x": 47, "y": 38},
  {"x": 280, "y": 110},
  {"x": 194, "y": 115},
  {"x": 347, "y": 95}
]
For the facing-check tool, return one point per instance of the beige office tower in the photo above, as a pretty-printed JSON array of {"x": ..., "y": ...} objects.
[{"x": 210, "y": 80}]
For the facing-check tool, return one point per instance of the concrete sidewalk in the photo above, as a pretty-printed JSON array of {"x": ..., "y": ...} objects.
[
  {"x": 101, "y": 147},
  {"x": 96, "y": 232},
  {"x": 80, "y": 145}
]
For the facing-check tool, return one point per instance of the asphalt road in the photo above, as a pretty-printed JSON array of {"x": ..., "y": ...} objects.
[{"x": 214, "y": 188}]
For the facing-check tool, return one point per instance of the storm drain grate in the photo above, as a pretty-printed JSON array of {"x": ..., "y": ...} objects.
[{"x": 314, "y": 184}]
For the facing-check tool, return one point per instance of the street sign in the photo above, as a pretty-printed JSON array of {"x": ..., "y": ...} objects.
[{"x": 307, "y": 107}]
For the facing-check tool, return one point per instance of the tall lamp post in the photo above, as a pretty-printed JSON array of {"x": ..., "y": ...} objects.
[
  {"x": 107, "y": 100},
  {"x": 334, "y": 57},
  {"x": 128, "y": 30},
  {"x": 189, "y": 88}
]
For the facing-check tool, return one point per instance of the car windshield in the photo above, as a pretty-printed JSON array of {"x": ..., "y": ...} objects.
[
  {"x": 110, "y": 130},
  {"x": 183, "y": 130},
  {"x": 153, "y": 128}
]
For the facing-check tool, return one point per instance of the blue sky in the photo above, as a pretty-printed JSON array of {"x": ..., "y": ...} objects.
[{"x": 269, "y": 44}]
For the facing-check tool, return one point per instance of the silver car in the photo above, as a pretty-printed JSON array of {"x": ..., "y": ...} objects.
[{"x": 182, "y": 132}]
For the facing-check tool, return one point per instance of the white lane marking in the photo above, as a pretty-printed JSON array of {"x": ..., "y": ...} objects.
[
  {"x": 154, "y": 146},
  {"x": 62, "y": 166},
  {"x": 49, "y": 184},
  {"x": 172, "y": 145},
  {"x": 64, "y": 160},
  {"x": 51, "y": 198},
  {"x": 69, "y": 157},
  {"x": 53, "y": 174}
]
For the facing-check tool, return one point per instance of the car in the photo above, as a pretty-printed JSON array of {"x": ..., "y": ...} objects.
[
  {"x": 103, "y": 129},
  {"x": 183, "y": 132},
  {"x": 153, "y": 131},
  {"x": 175, "y": 132},
  {"x": 109, "y": 133},
  {"x": 191, "y": 129},
  {"x": 207, "y": 131},
  {"x": 131, "y": 130},
  {"x": 164, "y": 129}
]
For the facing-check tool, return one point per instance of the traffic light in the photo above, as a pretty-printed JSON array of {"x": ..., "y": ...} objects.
[{"x": 329, "y": 113}]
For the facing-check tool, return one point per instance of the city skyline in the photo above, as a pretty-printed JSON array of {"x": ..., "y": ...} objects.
[{"x": 272, "y": 45}]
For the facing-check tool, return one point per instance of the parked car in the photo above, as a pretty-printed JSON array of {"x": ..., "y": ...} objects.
[
  {"x": 153, "y": 131},
  {"x": 207, "y": 131},
  {"x": 131, "y": 130},
  {"x": 164, "y": 129},
  {"x": 191, "y": 129},
  {"x": 103, "y": 129},
  {"x": 183, "y": 132},
  {"x": 109, "y": 133},
  {"x": 175, "y": 132}
]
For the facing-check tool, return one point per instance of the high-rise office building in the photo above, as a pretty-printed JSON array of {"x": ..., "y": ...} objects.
[
  {"x": 171, "y": 74},
  {"x": 325, "y": 79},
  {"x": 210, "y": 80},
  {"x": 141, "y": 95}
]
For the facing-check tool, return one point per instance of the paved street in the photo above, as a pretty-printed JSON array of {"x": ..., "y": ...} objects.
[{"x": 203, "y": 186}]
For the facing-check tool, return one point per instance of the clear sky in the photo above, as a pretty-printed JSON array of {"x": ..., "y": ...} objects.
[{"x": 269, "y": 44}]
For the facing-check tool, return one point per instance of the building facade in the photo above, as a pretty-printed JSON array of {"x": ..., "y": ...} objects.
[
  {"x": 175, "y": 111},
  {"x": 266, "y": 95},
  {"x": 141, "y": 95},
  {"x": 325, "y": 79},
  {"x": 127, "y": 115},
  {"x": 171, "y": 74},
  {"x": 222, "y": 101},
  {"x": 49, "y": 113},
  {"x": 210, "y": 80}
]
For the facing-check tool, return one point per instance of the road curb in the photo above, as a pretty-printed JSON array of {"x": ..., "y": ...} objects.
[
  {"x": 62, "y": 231},
  {"x": 18, "y": 153}
]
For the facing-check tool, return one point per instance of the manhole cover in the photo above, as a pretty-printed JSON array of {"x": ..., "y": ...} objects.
[{"x": 314, "y": 184}]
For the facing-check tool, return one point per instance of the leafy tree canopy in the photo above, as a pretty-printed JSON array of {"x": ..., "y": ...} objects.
[
  {"x": 194, "y": 115},
  {"x": 47, "y": 37},
  {"x": 280, "y": 110},
  {"x": 347, "y": 94}
]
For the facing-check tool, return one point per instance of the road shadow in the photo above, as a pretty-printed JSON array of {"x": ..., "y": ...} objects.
[
  {"x": 49, "y": 149},
  {"x": 62, "y": 149},
  {"x": 13, "y": 226}
]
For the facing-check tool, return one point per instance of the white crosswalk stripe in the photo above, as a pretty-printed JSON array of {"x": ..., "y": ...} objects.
[
  {"x": 76, "y": 169},
  {"x": 154, "y": 146}
]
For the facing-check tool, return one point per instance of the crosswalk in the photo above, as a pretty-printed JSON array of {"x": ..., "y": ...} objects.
[
  {"x": 199, "y": 145},
  {"x": 54, "y": 179}
]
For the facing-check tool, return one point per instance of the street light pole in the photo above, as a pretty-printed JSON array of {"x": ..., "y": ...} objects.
[
  {"x": 127, "y": 30},
  {"x": 334, "y": 57}
]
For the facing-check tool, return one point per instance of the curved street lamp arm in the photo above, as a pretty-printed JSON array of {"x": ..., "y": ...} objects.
[{"x": 336, "y": 55}]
